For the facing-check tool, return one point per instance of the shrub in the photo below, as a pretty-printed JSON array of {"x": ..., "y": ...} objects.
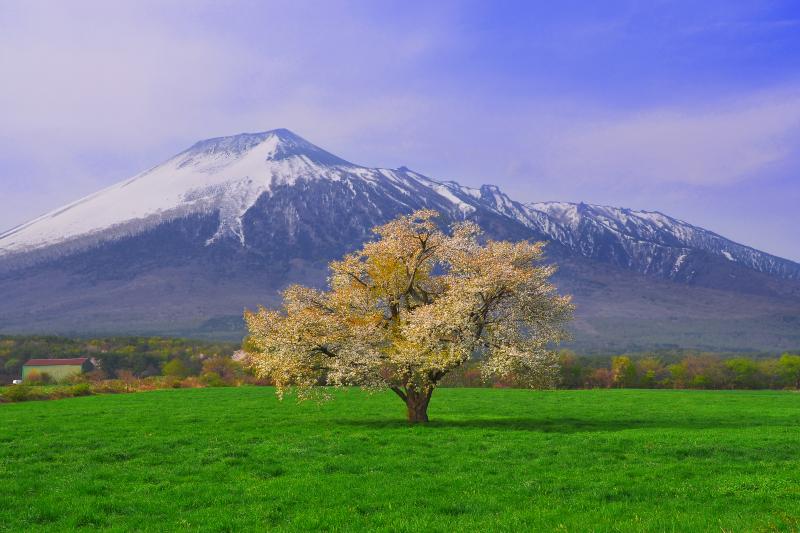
[
  {"x": 650, "y": 372},
  {"x": 35, "y": 377},
  {"x": 171, "y": 382},
  {"x": 744, "y": 373},
  {"x": 95, "y": 375},
  {"x": 57, "y": 393},
  {"x": 150, "y": 383},
  {"x": 573, "y": 375},
  {"x": 126, "y": 375},
  {"x": 601, "y": 378},
  {"x": 472, "y": 377},
  {"x": 623, "y": 371},
  {"x": 12, "y": 366},
  {"x": 74, "y": 380},
  {"x": 110, "y": 386},
  {"x": 212, "y": 379},
  {"x": 81, "y": 389},
  {"x": 789, "y": 370},
  {"x": 225, "y": 368},
  {"x": 175, "y": 368},
  {"x": 192, "y": 382},
  {"x": 258, "y": 381},
  {"x": 24, "y": 393},
  {"x": 468, "y": 375}
]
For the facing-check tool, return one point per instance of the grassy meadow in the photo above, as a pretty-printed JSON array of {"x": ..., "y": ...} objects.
[{"x": 233, "y": 459}]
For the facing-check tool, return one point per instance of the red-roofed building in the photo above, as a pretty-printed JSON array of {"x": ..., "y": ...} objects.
[{"x": 57, "y": 369}]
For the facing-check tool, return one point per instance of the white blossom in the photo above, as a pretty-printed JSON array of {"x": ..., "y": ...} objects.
[{"x": 410, "y": 307}]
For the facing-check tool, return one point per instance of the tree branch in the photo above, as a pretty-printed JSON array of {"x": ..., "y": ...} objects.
[
  {"x": 325, "y": 351},
  {"x": 436, "y": 376},
  {"x": 356, "y": 278},
  {"x": 400, "y": 393},
  {"x": 424, "y": 254}
]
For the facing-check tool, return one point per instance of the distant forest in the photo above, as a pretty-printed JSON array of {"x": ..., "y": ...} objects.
[
  {"x": 669, "y": 369},
  {"x": 143, "y": 356},
  {"x": 151, "y": 356}
]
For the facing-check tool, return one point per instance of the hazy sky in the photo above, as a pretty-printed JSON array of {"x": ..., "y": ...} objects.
[{"x": 690, "y": 108}]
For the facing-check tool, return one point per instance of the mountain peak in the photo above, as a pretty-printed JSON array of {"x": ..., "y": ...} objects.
[
  {"x": 280, "y": 144},
  {"x": 224, "y": 177}
]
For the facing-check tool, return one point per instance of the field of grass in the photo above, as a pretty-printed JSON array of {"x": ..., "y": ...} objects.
[{"x": 232, "y": 459}]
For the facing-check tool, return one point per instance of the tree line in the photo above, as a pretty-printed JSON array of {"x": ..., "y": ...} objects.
[
  {"x": 667, "y": 370},
  {"x": 143, "y": 357},
  {"x": 139, "y": 356}
]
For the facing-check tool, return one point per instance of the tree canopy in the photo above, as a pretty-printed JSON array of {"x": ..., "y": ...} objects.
[{"x": 410, "y": 307}]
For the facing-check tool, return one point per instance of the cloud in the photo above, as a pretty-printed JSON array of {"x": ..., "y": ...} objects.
[
  {"x": 549, "y": 102},
  {"x": 703, "y": 145},
  {"x": 94, "y": 92},
  {"x": 139, "y": 74}
]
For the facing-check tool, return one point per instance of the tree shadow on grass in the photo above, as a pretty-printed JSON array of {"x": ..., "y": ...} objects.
[{"x": 569, "y": 425}]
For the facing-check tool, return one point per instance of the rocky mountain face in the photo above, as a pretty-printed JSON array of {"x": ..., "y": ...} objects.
[{"x": 183, "y": 247}]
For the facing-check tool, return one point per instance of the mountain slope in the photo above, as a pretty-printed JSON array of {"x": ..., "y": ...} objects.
[
  {"x": 184, "y": 246},
  {"x": 645, "y": 241}
]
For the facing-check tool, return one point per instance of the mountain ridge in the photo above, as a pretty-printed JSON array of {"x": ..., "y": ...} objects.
[
  {"x": 254, "y": 212},
  {"x": 234, "y": 195}
]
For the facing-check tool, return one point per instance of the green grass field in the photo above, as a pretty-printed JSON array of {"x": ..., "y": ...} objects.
[{"x": 236, "y": 459}]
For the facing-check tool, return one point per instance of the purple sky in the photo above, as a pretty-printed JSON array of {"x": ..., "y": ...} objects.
[{"x": 688, "y": 108}]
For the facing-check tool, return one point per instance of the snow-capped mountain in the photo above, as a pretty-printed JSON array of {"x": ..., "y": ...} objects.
[
  {"x": 224, "y": 177},
  {"x": 230, "y": 220},
  {"x": 650, "y": 242},
  {"x": 645, "y": 241}
]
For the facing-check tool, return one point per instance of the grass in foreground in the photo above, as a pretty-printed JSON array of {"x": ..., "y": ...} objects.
[{"x": 235, "y": 459}]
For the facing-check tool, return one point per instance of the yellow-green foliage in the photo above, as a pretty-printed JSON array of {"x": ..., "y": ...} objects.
[
  {"x": 412, "y": 306},
  {"x": 175, "y": 368}
]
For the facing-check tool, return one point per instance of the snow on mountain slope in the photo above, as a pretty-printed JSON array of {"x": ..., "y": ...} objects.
[
  {"x": 227, "y": 177},
  {"x": 223, "y": 177},
  {"x": 646, "y": 241},
  {"x": 226, "y": 174}
]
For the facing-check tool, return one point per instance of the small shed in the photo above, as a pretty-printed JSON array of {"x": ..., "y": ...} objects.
[{"x": 58, "y": 369}]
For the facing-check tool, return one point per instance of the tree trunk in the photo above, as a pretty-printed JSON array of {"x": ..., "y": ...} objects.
[{"x": 417, "y": 404}]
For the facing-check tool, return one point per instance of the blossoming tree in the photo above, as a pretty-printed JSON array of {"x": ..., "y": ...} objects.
[{"x": 410, "y": 307}]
